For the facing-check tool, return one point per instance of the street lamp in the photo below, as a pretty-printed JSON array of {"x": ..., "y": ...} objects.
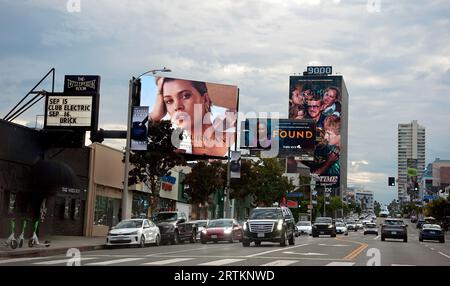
[{"x": 132, "y": 85}]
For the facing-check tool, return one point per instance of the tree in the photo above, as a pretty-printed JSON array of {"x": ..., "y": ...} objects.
[
  {"x": 149, "y": 166},
  {"x": 438, "y": 208},
  {"x": 245, "y": 185},
  {"x": 204, "y": 179},
  {"x": 377, "y": 208},
  {"x": 270, "y": 184}
]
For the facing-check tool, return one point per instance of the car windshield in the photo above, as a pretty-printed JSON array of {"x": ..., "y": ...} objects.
[
  {"x": 129, "y": 224},
  {"x": 393, "y": 222},
  {"x": 165, "y": 217},
  {"x": 220, "y": 223},
  {"x": 435, "y": 226},
  {"x": 340, "y": 224},
  {"x": 303, "y": 223},
  {"x": 323, "y": 220},
  {"x": 266, "y": 214},
  {"x": 371, "y": 225}
]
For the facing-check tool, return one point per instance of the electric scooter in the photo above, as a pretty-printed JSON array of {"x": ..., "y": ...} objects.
[
  {"x": 11, "y": 241},
  {"x": 34, "y": 240},
  {"x": 21, "y": 236}
]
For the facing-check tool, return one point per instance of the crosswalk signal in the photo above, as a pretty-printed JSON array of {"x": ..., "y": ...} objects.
[{"x": 391, "y": 181}]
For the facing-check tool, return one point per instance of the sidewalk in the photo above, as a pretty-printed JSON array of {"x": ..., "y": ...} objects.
[{"x": 58, "y": 245}]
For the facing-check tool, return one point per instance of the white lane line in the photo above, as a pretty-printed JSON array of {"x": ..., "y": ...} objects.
[
  {"x": 221, "y": 262},
  {"x": 179, "y": 251},
  {"x": 340, "y": 264},
  {"x": 116, "y": 261},
  {"x": 432, "y": 248},
  {"x": 61, "y": 261},
  {"x": 280, "y": 263},
  {"x": 377, "y": 237},
  {"x": 167, "y": 261},
  {"x": 20, "y": 259},
  {"x": 444, "y": 254},
  {"x": 309, "y": 253},
  {"x": 402, "y": 265},
  {"x": 270, "y": 251},
  {"x": 323, "y": 244}
]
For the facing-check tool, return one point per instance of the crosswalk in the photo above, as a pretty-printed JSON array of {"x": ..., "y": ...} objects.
[{"x": 162, "y": 261}]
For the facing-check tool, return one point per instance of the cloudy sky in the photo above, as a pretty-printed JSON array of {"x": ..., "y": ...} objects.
[{"x": 394, "y": 56}]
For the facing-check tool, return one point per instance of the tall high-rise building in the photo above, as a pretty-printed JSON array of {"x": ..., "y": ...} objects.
[{"x": 411, "y": 155}]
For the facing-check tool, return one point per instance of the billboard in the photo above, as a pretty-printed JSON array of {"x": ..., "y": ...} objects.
[
  {"x": 139, "y": 128},
  {"x": 282, "y": 137},
  {"x": 206, "y": 112},
  {"x": 365, "y": 200},
  {"x": 324, "y": 100}
]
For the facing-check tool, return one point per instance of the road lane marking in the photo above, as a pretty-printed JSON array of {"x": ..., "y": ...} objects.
[
  {"x": 402, "y": 265},
  {"x": 270, "y": 251},
  {"x": 375, "y": 238},
  {"x": 432, "y": 248},
  {"x": 340, "y": 264},
  {"x": 300, "y": 253},
  {"x": 221, "y": 262},
  {"x": 20, "y": 259},
  {"x": 173, "y": 252},
  {"x": 444, "y": 254},
  {"x": 352, "y": 255},
  {"x": 62, "y": 261},
  {"x": 167, "y": 261},
  {"x": 323, "y": 244},
  {"x": 109, "y": 262},
  {"x": 280, "y": 263}
]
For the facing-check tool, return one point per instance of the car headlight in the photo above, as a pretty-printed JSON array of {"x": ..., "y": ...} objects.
[
  {"x": 204, "y": 231},
  {"x": 134, "y": 232},
  {"x": 330, "y": 226},
  {"x": 280, "y": 224},
  {"x": 245, "y": 226},
  {"x": 228, "y": 231}
]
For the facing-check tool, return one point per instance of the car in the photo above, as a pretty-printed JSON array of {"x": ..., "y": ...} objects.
[
  {"x": 351, "y": 225},
  {"x": 413, "y": 219},
  {"x": 432, "y": 232},
  {"x": 201, "y": 224},
  {"x": 269, "y": 224},
  {"x": 323, "y": 226},
  {"x": 304, "y": 227},
  {"x": 134, "y": 232},
  {"x": 371, "y": 228},
  {"x": 341, "y": 228},
  {"x": 359, "y": 225},
  {"x": 394, "y": 228},
  {"x": 221, "y": 230},
  {"x": 384, "y": 213},
  {"x": 175, "y": 227}
]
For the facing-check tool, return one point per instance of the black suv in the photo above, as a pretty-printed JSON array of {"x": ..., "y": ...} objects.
[
  {"x": 272, "y": 224},
  {"x": 324, "y": 225}
]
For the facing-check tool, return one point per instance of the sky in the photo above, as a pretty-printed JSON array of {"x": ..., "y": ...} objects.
[{"x": 394, "y": 56}]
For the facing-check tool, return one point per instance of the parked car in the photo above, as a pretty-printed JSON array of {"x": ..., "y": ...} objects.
[
  {"x": 432, "y": 232},
  {"x": 323, "y": 226},
  {"x": 221, "y": 230},
  {"x": 200, "y": 224},
  {"x": 271, "y": 224},
  {"x": 175, "y": 228},
  {"x": 394, "y": 228},
  {"x": 134, "y": 232},
  {"x": 341, "y": 228},
  {"x": 304, "y": 227},
  {"x": 371, "y": 228}
]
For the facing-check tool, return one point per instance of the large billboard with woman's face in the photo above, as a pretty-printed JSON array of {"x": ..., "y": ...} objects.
[
  {"x": 206, "y": 112},
  {"x": 323, "y": 99}
]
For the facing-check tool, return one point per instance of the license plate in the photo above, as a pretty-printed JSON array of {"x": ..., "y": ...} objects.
[
  {"x": 213, "y": 236},
  {"x": 118, "y": 237},
  {"x": 322, "y": 232},
  {"x": 260, "y": 235},
  {"x": 393, "y": 232},
  {"x": 432, "y": 232}
]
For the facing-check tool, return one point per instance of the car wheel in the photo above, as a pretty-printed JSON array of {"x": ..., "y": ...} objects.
[
  {"x": 193, "y": 237},
  {"x": 258, "y": 243},
  {"x": 283, "y": 239},
  {"x": 364, "y": 233},
  {"x": 405, "y": 239},
  {"x": 292, "y": 240},
  {"x": 157, "y": 240},
  {"x": 382, "y": 237},
  {"x": 442, "y": 241},
  {"x": 245, "y": 243},
  {"x": 420, "y": 239},
  {"x": 176, "y": 238},
  {"x": 346, "y": 233},
  {"x": 333, "y": 235},
  {"x": 203, "y": 241},
  {"x": 142, "y": 243}
]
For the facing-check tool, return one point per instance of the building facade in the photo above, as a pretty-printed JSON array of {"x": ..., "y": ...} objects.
[{"x": 411, "y": 154}]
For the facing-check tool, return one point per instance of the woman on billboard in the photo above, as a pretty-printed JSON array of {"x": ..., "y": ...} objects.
[{"x": 188, "y": 104}]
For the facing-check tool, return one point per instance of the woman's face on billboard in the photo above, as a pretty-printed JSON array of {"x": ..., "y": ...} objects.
[{"x": 181, "y": 99}]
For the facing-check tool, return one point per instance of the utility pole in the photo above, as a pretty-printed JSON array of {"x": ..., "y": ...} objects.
[{"x": 226, "y": 203}]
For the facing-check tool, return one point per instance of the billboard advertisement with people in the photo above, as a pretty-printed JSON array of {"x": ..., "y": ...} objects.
[{"x": 206, "y": 112}]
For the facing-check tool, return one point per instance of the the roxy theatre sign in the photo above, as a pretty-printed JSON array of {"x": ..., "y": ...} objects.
[{"x": 76, "y": 107}]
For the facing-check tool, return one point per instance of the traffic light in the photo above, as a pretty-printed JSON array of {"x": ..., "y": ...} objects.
[
  {"x": 136, "y": 92},
  {"x": 391, "y": 181}
]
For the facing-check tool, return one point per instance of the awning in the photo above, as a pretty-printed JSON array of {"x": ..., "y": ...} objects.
[{"x": 49, "y": 176}]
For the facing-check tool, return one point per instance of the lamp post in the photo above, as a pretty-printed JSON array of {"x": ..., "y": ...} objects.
[
  {"x": 226, "y": 203},
  {"x": 132, "y": 85}
]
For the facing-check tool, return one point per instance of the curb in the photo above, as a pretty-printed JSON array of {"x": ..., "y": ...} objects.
[{"x": 47, "y": 251}]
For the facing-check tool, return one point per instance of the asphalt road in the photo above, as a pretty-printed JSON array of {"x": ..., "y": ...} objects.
[{"x": 355, "y": 249}]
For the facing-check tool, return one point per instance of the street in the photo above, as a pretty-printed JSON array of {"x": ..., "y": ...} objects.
[{"x": 355, "y": 249}]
